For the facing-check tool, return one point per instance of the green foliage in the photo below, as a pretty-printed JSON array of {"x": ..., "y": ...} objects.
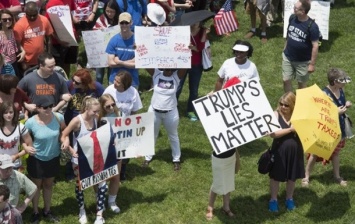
[{"x": 157, "y": 194}]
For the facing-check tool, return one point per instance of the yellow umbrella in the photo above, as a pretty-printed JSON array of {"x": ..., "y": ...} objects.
[{"x": 316, "y": 120}]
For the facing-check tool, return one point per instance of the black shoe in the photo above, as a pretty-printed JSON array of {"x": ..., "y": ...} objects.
[
  {"x": 50, "y": 217},
  {"x": 146, "y": 163},
  {"x": 177, "y": 166},
  {"x": 35, "y": 218}
]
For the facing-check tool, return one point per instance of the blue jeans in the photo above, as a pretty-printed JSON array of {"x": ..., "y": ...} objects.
[
  {"x": 100, "y": 73},
  {"x": 195, "y": 74}
]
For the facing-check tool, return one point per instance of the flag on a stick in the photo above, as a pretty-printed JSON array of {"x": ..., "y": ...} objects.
[{"x": 225, "y": 21}]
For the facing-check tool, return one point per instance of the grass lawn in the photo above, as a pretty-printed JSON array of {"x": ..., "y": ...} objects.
[{"x": 159, "y": 195}]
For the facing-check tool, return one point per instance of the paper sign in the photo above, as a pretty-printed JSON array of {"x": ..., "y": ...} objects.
[
  {"x": 95, "y": 42},
  {"x": 61, "y": 21},
  {"x": 162, "y": 47},
  {"x": 236, "y": 115},
  {"x": 320, "y": 11}
]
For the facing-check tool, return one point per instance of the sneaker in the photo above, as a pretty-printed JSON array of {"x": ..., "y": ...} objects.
[
  {"x": 50, "y": 217},
  {"x": 82, "y": 217},
  {"x": 35, "y": 218},
  {"x": 290, "y": 204},
  {"x": 99, "y": 220},
  {"x": 114, "y": 208},
  {"x": 177, "y": 166},
  {"x": 249, "y": 35},
  {"x": 192, "y": 116},
  {"x": 273, "y": 206}
]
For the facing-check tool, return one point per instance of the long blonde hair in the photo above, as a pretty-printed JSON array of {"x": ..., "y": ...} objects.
[
  {"x": 103, "y": 99},
  {"x": 290, "y": 99}
]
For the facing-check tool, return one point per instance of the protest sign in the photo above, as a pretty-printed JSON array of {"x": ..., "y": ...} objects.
[
  {"x": 162, "y": 47},
  {"x": 319, "y": 12},
  {"x": 61, "y": 21},
  {"x": 97, "y": 157},
  {"x": 236, "y": 115},
  {"x": 95, "y": 42},
  {"x": 134, "y": 135}
]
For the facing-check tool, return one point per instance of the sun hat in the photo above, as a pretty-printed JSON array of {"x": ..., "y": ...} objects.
[
  {"x": 240, "y": 47},
  {"x": 125, "y": 16},
  {"x": 156, "y": 13},
  {"x": 6, "y": 161}
]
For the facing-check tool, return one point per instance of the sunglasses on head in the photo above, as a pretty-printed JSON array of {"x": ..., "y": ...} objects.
[
  {"x": 76, "y": 82},
  {"x": 45, "y": 108},
  {"x": 124, "y": 23},
  {"x": 283, "y": 104},
  {"x": 6, "y": 20},
  {"x": 343, "y": 80},
  {"x": 109, "y": 106}
]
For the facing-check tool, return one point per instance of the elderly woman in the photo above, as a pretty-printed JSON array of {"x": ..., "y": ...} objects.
[
  {"x": 43, "y": 162},
  {"x": 288, "y": 154},
  {"x": 337, "y": 79},
  {"x": 239, "y": 67}
]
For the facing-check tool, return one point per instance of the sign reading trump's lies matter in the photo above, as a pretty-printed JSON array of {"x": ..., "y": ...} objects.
[{"x": 237, "y": 115}]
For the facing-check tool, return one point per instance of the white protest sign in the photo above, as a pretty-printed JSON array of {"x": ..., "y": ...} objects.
[
  {"x": 162, "y": 47},
  {"x": 134, "y": 135},
  {"x": 320, "y": 11},
  {"x": 95, "y": 42},
  {"x": 61, "y": 20},
  {"x": 236, "y": 115},
  {"x": 97, "y": 157}
]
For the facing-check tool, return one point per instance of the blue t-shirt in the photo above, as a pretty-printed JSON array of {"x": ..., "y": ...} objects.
[
  {"x": 46, "y": 137},
  {"x": 125, "y": 51},
  {"x": 136, "y": 10},
  {"x": 299, "y": 39}
]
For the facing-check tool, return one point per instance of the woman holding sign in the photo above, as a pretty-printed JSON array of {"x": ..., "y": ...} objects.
[
  {"x": 164, "y": 107},
  {"x": 288, "y": 163},
  {"x": 81, "y": 125}
]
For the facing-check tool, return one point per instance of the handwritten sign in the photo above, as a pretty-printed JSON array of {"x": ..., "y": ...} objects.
[
  {"x": 61, "y": 20},
  {"x": 134, "y": 135},
  {"x": 320, "y": 11},
  {"x": 236, "y": 115},
  {"x": 95, "y": 42},
  {"x": 162, "y": 47}
]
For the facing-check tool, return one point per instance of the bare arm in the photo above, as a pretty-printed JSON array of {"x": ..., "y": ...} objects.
[
  {"x": 74, "y": 125},
  {"x": 311, "y": 66},
  {"x": 218, "y": 85}
]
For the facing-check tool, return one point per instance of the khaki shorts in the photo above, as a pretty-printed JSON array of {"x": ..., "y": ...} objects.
[{"x": 294, "y": 69}]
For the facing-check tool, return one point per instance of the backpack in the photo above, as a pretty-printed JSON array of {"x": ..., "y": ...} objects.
[{"x": 293, "y": 17}]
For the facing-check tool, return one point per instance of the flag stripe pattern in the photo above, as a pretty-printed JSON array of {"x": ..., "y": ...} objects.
[{"x": 225, "y": 21}]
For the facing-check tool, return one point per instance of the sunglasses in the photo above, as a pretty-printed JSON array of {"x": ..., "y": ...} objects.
[
  {"x": 76, "y": 82},
  {"x": 283, "y": 105},
  {"x": 124, "y": 23},
  {"x": 45, "y": 108},
  {"x": 109, "y": 106},
  {"x": 343, "y": 80},
  {"x": 6, "y": 20}
]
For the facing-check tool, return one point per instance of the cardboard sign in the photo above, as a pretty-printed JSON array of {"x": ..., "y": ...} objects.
[
  {"x": 236, "y": 115},
  {"x": 162, "y": 47}
]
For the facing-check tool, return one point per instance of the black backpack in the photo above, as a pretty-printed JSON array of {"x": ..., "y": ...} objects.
[{"x": 293, "y": 17}]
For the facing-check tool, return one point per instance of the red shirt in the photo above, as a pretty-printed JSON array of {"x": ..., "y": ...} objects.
[{"x": 4, "y": 4}]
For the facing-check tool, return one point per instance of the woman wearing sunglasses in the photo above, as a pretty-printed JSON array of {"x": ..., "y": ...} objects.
[
  {"x": 288, "y": 163},
  {"x": 8, "y": 45},
  {"x": 337, "y": 79},
  {"x": 43, "y": 162}
]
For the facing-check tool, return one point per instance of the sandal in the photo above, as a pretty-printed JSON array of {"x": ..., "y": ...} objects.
[
  {"x": 341, "y": 181},
  {"x": 228, "y": 213},
  {"x": 305, "y": 182},
  {"x": 209, "y": 214}
]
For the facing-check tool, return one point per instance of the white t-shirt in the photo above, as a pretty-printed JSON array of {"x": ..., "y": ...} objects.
[
  {"x": 243, "y": 72},
  {"x": 126, "y": 101},
  {"x": 164, "y": 96},
  {"x": 9, "y": 143}
]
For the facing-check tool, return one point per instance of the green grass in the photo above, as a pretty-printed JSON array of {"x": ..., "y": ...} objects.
[{"x": 160, "y": 195}]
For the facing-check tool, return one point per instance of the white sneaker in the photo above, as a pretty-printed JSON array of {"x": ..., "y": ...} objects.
[
  {"x": 99, "y": 220},
  {"x": 114, "y": 207},
  {"x": 82, "y": 217}
]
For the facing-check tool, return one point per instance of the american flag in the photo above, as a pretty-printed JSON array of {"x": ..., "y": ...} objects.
[{"x": 225, "y": 21}]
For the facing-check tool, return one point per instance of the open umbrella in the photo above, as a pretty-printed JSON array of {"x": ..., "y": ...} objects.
[
  {"x": 190, "y": 18},
  {"x": 316, "y": 120}
]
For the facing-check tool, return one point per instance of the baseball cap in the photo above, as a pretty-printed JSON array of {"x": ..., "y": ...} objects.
[
  {"x": 6, "y": 161},
  {"x": 125, "y": 16}
]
